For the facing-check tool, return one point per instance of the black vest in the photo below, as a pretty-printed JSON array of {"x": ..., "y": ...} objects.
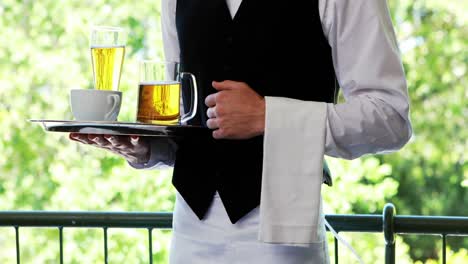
[{"x": 278, "y": 48}]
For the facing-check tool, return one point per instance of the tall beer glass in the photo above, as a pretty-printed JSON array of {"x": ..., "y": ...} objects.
[
  {"x": 107, "y": 54},
  {"x": 159, "y": 93}
]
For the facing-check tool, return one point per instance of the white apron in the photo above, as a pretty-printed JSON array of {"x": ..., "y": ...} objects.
[{"x": 216, "y": 240}]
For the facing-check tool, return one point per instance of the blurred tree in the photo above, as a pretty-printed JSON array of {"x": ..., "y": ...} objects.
[
  {"x": 434, "y": 42},
  {"x": 429, "y": 176},
  {"x": 434, "y": 36},
  {"x": 44, "y": 53}
]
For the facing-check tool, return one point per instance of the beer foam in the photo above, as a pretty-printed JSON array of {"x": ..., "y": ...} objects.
[
  {"x": 159, "y": 82},
  {"x": 106, "y": 46}
]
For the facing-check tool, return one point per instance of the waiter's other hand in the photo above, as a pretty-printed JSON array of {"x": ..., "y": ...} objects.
[
  {"x": 236, "y": 111},
  {"x": 133, "y": 148}
]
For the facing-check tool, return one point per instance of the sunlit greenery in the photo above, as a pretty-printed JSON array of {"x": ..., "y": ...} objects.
[{"x": 44, "y": 53}]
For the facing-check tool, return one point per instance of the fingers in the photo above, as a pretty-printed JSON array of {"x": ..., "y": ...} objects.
[
  {"x": 225, "y": 85},
  {"x": 136, "y": 141},
  {"x": 90, "y": 139},
  {"x": 133, "y": 148},
  {"x": 219, "y": 134},
  {"x": 127, "y": 144},
  {"x": 82, "y": 138},
  {"x": 141, "y": 150},
  {"x": 103, "y": 141},
  {"x": 210, "y": 100},
  {"x": 117, "y": 141},
  {"x": 213, "y": 123},
  {"x": 216, "y": 98},
  {"x": 99, "y": 140},
  {"x": 211, "y": 112}
]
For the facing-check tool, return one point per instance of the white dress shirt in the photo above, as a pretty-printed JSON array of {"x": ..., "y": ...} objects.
[{"x": 374, "y": 118}]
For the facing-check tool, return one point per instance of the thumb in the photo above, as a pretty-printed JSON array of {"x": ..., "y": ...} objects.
[
  {"x": 224, "y": 85},
  {"x": 135, "y": 140}
]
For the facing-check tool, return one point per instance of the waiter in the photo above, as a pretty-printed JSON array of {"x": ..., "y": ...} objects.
[{"x": 242, "y": 52}]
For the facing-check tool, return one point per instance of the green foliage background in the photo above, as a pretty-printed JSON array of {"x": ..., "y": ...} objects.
[{"x": 44, "y": 53}]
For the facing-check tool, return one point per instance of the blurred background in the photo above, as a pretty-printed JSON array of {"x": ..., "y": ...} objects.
[{"x": 44, "y": 52}]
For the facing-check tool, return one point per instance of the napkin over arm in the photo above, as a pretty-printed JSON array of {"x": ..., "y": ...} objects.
[{"x": 294, "y": 143}]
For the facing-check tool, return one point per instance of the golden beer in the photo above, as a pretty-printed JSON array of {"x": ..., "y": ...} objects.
[
  {"x": 159, "y": 102},
  {"x": 107, "y": 66}
]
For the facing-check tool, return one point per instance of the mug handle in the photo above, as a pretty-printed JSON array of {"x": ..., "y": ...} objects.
[
  {"x": 115, "y": 101},
  {"x": 193, "y": 106}
]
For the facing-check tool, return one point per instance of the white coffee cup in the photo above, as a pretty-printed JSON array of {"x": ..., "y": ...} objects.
[{"x": 95, "y": 105}]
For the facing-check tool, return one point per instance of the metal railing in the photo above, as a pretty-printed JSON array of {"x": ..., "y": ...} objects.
[{"x": 388, "y": 223}]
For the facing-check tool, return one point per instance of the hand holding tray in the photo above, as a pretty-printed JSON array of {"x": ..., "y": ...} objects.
[{"x": 120, "y": 128}]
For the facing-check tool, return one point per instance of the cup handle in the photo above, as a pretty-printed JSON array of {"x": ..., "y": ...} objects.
[
  {"x": 194, "y": 104},
  {"x": 115, "y": 101}
]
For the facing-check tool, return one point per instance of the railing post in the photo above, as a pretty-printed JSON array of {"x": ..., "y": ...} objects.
[
  {"x": 389, "y": 233},
  {"x": 61, "y": 243},
  {"x": 18, "y": 255},
  {"x": 150, "y": 244},
  {"x": 105, "y": 245}
]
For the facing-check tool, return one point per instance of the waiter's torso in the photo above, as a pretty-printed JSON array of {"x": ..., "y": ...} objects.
[{"x": 278, "y": 48}]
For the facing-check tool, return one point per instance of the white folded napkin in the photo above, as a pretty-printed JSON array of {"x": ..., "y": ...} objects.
[{"x": 294, "y": 144}]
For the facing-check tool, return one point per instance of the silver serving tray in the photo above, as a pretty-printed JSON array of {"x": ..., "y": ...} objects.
[{"x": 119, "y": 128}]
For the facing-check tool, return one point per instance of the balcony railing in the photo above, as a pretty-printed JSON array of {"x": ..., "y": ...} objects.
[{"x": 388, "y": 224}]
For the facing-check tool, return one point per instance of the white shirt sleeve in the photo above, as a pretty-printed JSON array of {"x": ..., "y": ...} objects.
[
  {"x": 375, "y": 115},
  {"x": 169, "y": 30}
]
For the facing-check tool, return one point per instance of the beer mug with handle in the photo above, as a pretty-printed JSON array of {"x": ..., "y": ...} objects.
[
  {"x": 107, "y": 54},
  {"x": 159, "y": 93}
]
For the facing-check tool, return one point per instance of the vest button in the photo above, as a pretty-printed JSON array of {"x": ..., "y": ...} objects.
[{"x": 227, "y": 68}]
